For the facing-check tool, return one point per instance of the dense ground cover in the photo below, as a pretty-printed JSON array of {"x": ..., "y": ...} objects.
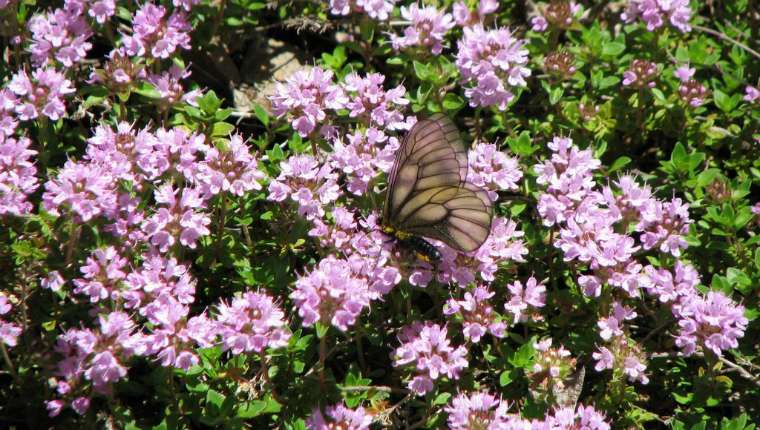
[{"x": 190, "y": 200}]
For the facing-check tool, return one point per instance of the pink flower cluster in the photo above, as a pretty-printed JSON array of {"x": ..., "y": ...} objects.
[
  {"x": 251, "y": 323},
  {"x": 308, "y": 96},
  {"x": 427, "y": 348},
  {"x": 155, "y": 34},
  {"x": 375, "y": 9},
  {"x": 482, "y": 410},
  {"x": 525, "y": 301},
  {"x": 657, "y": 13},
  {"x": 427, "y": 30},
  {"x": 491, "y": 62},
  {"x": 374, "y": 106},
  {"x": 339, "y": 417},
  {"x": 478, "y": 317},
  {"x": 17, "y": 175},
  {"x": 42, "y": 94},
  {"x": 9, "y": 332},
  {"x": 492, "y": 169},
  {"x": 61, "y": 35},
  {"x": 588, "y": 218},
  {"x": 464, "y": 17},
  {"x": 333, "y": 293}
]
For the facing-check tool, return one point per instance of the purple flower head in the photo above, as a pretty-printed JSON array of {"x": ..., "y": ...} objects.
[
  {"x": 306, "y": 96},
  {"x": 101, "y": 275},
  {"x": 120, "y": 72},
  {"x": 339, "y": 417},
  {"x": 492, "y": 169},
  {"x": 714, "y": 322},
  {"x": 612, "y": 325},
  {"x": 491, "y": 62},
  {"x": 692, "y": 92},
  {"x": 373, "y": 105},
  {"x": 751, "y": 94},
  {"x": 308, "y": 183},
  {"x": 83, "y": 189},
  {"x": 525, "y": 302},
  {"x": 177, "y": 219},
  {"x": 59, "y": 35},
  {"x": 332, "y": 293},
  {"x": 155, "y": 34},
  {"x": 9, "y": 332},
  {"x": 664, "y": 225},
  {"x": 604, "y": 359},
  {"x": 641, "y": 74},
  {"x": 375, "y": 9},
  {"x": 363, "y": 157},
  {"x": 464, "y": 17},
  {"x": 170, "y": 89},
  {"x": 42, "y": 94},
  {"x": 558, "y": 14},
  {"x": 252, "y": 322},
  {"x": 478, "y": 410},
  {"x": 477, "y": 314},
  {"x": 657, "y": 13},
  {"x": 17, "y": 175},
  {"x": 427, "y": 348},
  {"x": 232, "y": 169},
  {"x": 427, "y": 29}
]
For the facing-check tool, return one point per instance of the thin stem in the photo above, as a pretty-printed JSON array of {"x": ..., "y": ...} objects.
[
  {"x": 71, "y": 244},
  {"x": 9, "y": 363},
  {"x": 322, "y": 358},
  {"x": 727, "y": 39},
  {"x": 265, "y": 375}
]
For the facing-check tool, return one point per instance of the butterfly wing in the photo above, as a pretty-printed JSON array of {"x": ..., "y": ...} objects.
[
  {"x": 427, "y": 193},
  {"x": 457, "y": 216},
  {"x": 431, "y": 155}
]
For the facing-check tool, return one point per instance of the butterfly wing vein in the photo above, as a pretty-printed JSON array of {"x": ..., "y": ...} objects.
[{"x": 427, "y": 190}]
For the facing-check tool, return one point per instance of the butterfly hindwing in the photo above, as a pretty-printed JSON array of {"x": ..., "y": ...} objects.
[{"x": 427, "y": 190}]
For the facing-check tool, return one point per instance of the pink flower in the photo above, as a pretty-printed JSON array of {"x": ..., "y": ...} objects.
[
  {"x": 477, "y": 314},
  {"x": 251, "y": 323},
  {"x": 81, "y": 188},
  {"x": 332, "y": 293},
  {"x": 59, "y": 35},
  {"x": 478, "y": 410},
  {"x": 641, "y": 74},
  {"x": 525, "y": 301},
  {"x": 751, "y": 94},
  {"x": 492, "y": 169},
  {"x": 634, "y": 369},
  {"x": 41, "y": 95},
  {"x": 427, "y": 347},
  {"x": 102, "y": 275},
  {"x": 713, "y": 321},
  {"x": 17, "y": 175},
  {"x": 684, "y": 73},
  {"x": 233, "y": 169},
  {"x": 466, "y": 18},
  {"x": 178, "y": 219},
  {"x": 657, "y": 12},
  {"x": 339, "y": 417},
  {"x": 491, "y": 62},
  {"x": 604, "y": 359},
  {"x": 9, "y": 332},
  {"x": 427, "y": 29},
  {"x": 375, "y": 9},
  {"x": 612, "y": 325},
  {"x": 307, "y": 96},
  {"x": 373, "y": 105},
  {"x": 155, "y": 34}
]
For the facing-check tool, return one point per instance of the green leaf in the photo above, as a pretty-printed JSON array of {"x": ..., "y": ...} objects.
[
  {"x": 442, "y": 399},
  {"x": 612, "y": 49},
  {"x": 422, "y": 71},
  {"x": 619, "y": 164},
  {"x": 261, "y": 115},
  {"x": 521, "y": 145},
  {"x": 505, "y": 378},
  {"x": 452, "y": 102},
  {"x": 725, "y": 102},
  {"x": 222, "y": 129},
  {"x": 258, "y": 407},
  {"x": 215, "y": 399}
]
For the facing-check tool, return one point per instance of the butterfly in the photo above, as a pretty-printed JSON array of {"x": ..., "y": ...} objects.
[{"x": 428, "y": 194}]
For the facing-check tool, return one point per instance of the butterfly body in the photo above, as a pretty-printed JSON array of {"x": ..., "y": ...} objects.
[
  {"x": 423, "y": 249},
  {"x": 428, "y": 194}
]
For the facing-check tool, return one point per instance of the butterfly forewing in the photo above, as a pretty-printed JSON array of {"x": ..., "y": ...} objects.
[{"x": 427, "y": 192}]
